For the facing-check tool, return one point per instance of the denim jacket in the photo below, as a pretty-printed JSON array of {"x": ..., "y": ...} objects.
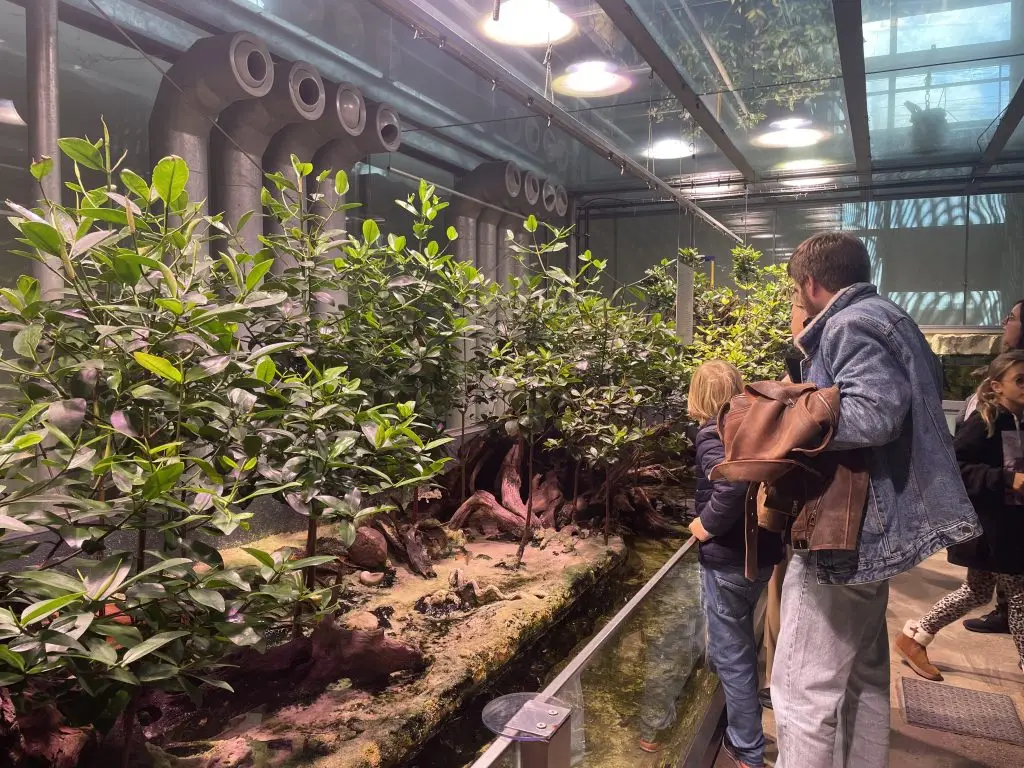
[{"x": 890, "y": 385}]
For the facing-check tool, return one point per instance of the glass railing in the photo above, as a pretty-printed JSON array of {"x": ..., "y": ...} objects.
[{"x": 642, "y": 678}]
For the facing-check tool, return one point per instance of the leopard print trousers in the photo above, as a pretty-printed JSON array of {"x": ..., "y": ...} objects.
[{"x": 974, "y": 593}]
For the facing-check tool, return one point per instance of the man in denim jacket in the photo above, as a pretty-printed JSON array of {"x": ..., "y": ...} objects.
[{"x": 832, "y": 660}]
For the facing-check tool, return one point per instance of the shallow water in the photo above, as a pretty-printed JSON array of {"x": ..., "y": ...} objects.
[{"x": 653, "y": 662}]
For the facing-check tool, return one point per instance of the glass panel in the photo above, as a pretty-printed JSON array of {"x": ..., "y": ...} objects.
[
  {"x": 15, "y": 182},
  {"x": 995, "y": 257},
  {"x": 649, "y": 680},
  {"x": 940, "y": 74},
  {"x": 768, "y": 71}
]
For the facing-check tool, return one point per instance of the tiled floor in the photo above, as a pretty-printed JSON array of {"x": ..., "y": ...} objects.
[{"x": 969, "y": 660}]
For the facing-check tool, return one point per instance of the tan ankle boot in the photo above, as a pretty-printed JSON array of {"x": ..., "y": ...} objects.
[{"x": 911, "y": 645}]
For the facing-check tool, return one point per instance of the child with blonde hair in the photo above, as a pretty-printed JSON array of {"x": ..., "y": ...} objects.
[
  {"x": 729, "y": 598},
  {"x": 990, "y": 451}
]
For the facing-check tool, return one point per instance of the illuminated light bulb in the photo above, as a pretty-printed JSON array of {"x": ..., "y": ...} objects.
[
  {"x": 670, "y": 149},
  {"x": 790, "y": 137},
  {"x": 591, "y": 78},
  {"x": 789, "y": 123},
  {"x": 528, "y": 23},
  {"x": 808, "y": 164}
]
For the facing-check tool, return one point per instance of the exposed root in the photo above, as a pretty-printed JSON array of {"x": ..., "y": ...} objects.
[{"x": 512, "y": 481}]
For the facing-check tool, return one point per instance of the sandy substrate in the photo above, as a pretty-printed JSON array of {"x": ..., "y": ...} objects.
[{"x": 350, "y": 728}]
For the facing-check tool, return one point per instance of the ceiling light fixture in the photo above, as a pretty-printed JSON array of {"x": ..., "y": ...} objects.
[
  {"x": 591, "y": 78},
  {"x": 789, "y": 137},
  {"x": 807, "y": 164},
  {"x": 670, "y": 149},
  {"x": 9, "y": 113},
  {"x": 528, "y": 23}
]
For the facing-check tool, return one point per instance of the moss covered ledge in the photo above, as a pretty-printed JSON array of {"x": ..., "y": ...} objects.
[{"x": 349, "y": 727}]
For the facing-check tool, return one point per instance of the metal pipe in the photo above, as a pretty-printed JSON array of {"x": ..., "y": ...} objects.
[
  {"x": 297, "y": 95},
  {"x": 382, "y": 132},
  {"x": 41, "y": 31},
  {"x": 214, "y": 73},
  {"x": 344, "y": 117},
  {"x": 290, "y": 40}
]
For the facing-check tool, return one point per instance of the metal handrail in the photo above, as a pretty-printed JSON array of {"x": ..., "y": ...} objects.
[{"x": 581, "y": 659}]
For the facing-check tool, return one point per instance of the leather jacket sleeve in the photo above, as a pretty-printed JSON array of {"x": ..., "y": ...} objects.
[
  {"x": 727, "y": 502},
  {"x": 874, "y": 389}
]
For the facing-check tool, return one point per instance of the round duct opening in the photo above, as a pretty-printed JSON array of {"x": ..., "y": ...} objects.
[
  {"x": 513, "y": 180},
  {"x": 351, "y": 109},
  {"x": 531, "y": 189},
  {"x": 251, "y": 64},
  {"x": 256, "y": 66},
  {"x": 547, "y": 197},
  {"x": 307, "y": 90},
  {"x": 389, "y": 128},
  {"x": 561, "y": 201}
]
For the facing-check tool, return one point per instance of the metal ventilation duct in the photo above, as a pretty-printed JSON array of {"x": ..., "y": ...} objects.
[
  {"x": 382, "y": 132},
  {"x": 297, "y": 95},
  {"x": 561, "y": 202},
  {"x": 547, "y": 200},
  {"x": 343, "y": 118},
  {"x": 487, "y": 183},
  {"x": 208, "y": 78}
]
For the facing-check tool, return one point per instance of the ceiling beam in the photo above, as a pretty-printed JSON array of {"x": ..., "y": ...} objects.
[
  {"x": 1007, "y": 126},
  {"x": 850, "y": 35},
  {"x": 435, "y": 28},
  {"x": 640, "y": 37}
]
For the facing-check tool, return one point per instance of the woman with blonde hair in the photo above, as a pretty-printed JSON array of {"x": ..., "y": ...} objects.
[
  {"x": 729, "y": 598},
  {"x": 989, "y": 451}
]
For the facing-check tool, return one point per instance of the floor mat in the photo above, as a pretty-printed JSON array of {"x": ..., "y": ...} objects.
[{"x": 961, "y": 710}]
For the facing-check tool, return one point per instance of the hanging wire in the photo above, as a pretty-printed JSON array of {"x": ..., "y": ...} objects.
[{"x": 649, "y": 160}]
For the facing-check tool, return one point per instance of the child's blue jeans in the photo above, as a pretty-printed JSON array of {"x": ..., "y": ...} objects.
[{"x": 729, "y": 604}]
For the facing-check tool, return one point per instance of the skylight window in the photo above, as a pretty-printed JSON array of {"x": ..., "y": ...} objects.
[{"x": 977, "y": 25}]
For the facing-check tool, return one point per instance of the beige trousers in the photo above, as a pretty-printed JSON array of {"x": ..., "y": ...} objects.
[{"x": 771, "y": 616}]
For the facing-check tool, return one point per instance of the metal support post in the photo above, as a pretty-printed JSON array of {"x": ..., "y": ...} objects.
[
  {"x": 44, "y": 108},
  {"x": 556, "y": 752}
]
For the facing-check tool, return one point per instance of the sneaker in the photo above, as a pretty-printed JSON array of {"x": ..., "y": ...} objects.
[
  {"x": 730, "y": 750},
  {"x": 992, "y": 623},
  {"x": 765, "y": 697},
  {"x": 910, "y": 645}
]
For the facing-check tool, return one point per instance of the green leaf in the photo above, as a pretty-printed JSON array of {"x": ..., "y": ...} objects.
[
  {"x": 263, "y": 557},
  {"x": 163, "y": 565},
  {"x": 169, "y": 179},
  {"x": 310, "y": 562},
  {"x": 136, "y": 184},
  {"x": 43, "y": 236},
  {"x": 211, "y": 598},
  {"x": 162, "y": 480},
  {"x": 158, "y": 365},
  {"x": 371, "y": 232},
  {"x": 301, "y": 168},
  {"x": 106, "y": 577},
  {"x": 27, "y": 341},
  {"x": 39, "y": 611},
  {"x": 40, "y": 169},
  {"x": 453, "y": 233},
  {"x": 341, "y": 183},
  {"x": 146, "y": 647},
  {"x": 265, "y": 370},
  {"x": 12, "y": 659},
  {"x": 257, "y": 272},
  {"x": 8, "y": 679},
  {"x": 82, "y": 152},
  {"x": 530, "y": 225}
]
